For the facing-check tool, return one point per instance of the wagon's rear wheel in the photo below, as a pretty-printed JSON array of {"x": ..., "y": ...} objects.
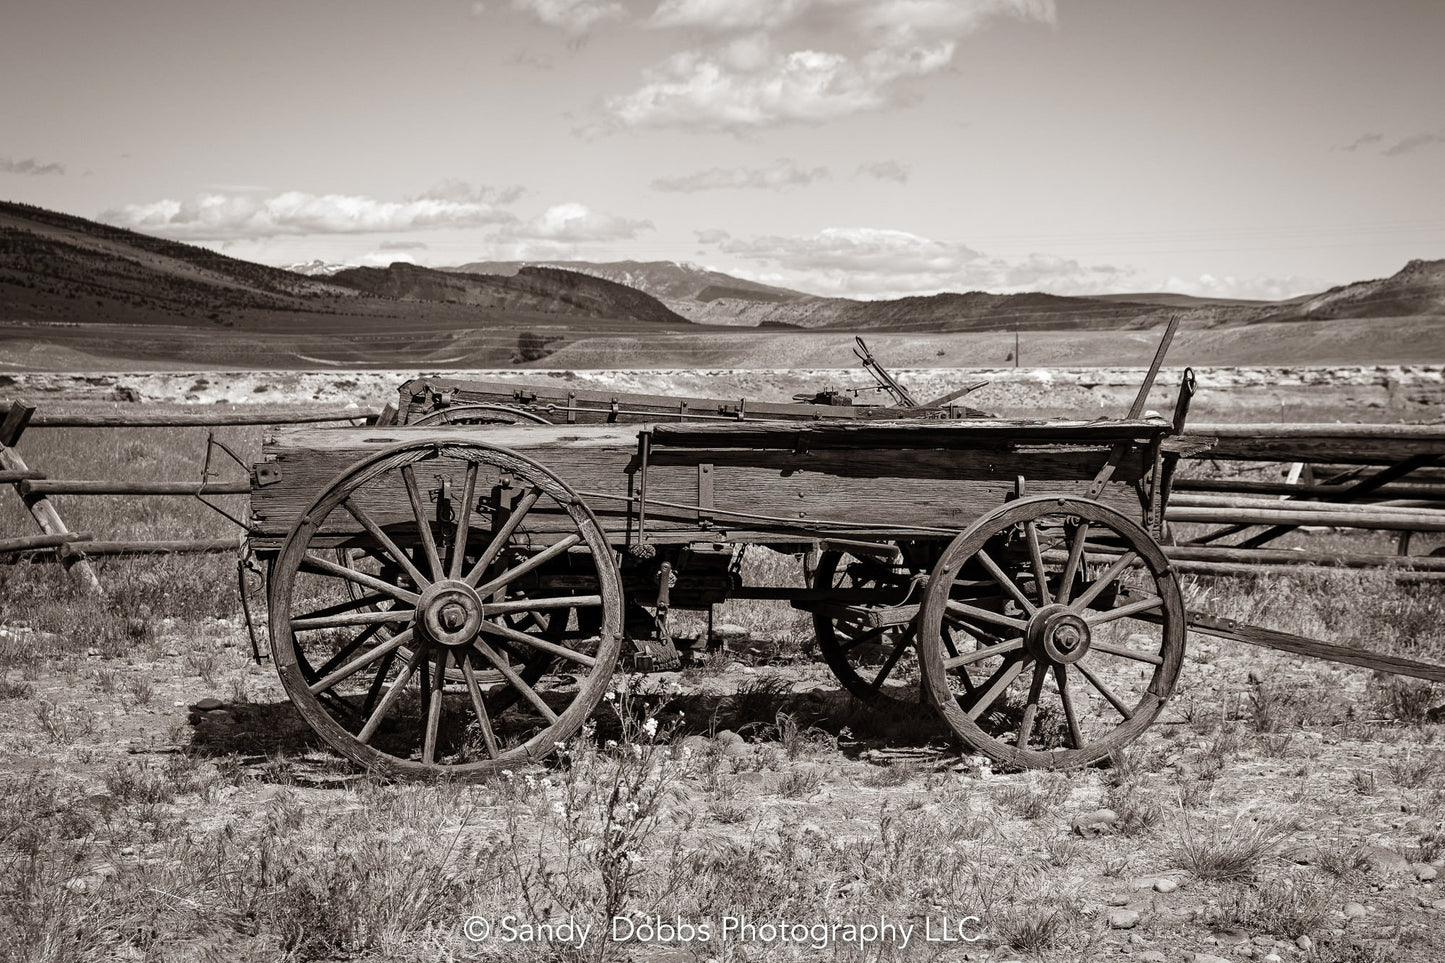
[
  {"x": 480, "y": 414},
  {"x": 868, "y": 634},
  {"x": 1052, "y": 632},
  {"x": 486, "y": 629}
]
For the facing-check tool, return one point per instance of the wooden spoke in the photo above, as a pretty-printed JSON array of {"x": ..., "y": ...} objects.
[
  {"x": 872, "y": 635},
  {"x": 320, "y": 566},
  {"x": 434, "y": 709},
  {"x": 1104, "y": 581},
  {"x": 499, "y": 539},
  {"x": 994, "y": 686},
  {"x": 350, "y": 605},
  {"x": 1031, "y": 708},
  {"x": 1149, "y": 604},
  {"x": 1036, "y": 559},
  {"x": 378, "y": 682},
  {"x": 356, "y": 665},
  {"x": 973, "y": 611},
  {"x": 384, "y": 540},
  {"x": 515, "y": 680},
  {"x": 346, "y": 650},
  {"x": 464, "y": 519},
  {"x": 899, "y": 648},
  {"x": 527, "y": 605},
  {"x": 479, "y": 705},
  {"x": 1104, "y": 690},
  {"x": 393, "y": 693},
  {"x": 1061, "y": 679},
  {"x": 1097, "y": 646},
  {"x": 1006, "y": 583},
  {"x": 1071, "y": 567},
  {"x": 423, "y": 523},
  {"x": 383, "y": 617},
  {"x": 492, "y": 628},
  {"x": 983, "y": 652},
  {"x": 536, "y": 561}
]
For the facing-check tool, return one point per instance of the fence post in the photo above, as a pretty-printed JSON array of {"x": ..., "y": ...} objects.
[{"x": 40, "y": 508}]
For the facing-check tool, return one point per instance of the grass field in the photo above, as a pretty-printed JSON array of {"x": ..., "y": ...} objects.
[{"x": 1278, "y": 807}]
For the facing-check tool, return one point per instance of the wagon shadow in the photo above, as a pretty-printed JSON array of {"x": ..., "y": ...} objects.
[{"x": 273, "y": 742}]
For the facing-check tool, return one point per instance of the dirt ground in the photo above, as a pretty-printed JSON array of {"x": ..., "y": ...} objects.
[{"x": 1280, "y": 809}]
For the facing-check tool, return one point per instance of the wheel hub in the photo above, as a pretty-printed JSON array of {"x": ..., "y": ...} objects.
[
  {"x": 450, "y": 613},
  {"x": 1057, "y": 635}
]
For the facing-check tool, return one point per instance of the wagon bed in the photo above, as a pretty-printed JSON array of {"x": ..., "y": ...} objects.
[{"x": 456, "y": 598}]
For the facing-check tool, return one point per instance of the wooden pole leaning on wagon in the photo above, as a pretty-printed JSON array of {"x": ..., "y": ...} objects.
[
  {"x": 1136, "y": 410},
  {"x": 39, "y": 506}
]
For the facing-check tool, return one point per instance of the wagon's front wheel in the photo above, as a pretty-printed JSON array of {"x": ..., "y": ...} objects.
[
  {"x": 1052, "y": 632},
  {"x": 486, "y": 625}
]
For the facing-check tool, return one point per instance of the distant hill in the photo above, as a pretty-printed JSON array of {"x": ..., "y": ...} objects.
[
  {"x": 115, "y": 293},
  {"x": 530, "y": 289},
  {"x": 668, "y": 281},
  {"x": 1417, "y": 289}
]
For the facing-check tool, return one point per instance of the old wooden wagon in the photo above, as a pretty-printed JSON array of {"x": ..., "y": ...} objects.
[{"x": 456, "y": 598}]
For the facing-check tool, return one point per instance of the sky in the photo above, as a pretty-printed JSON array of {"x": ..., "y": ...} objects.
[{"x": 857, "y": 148}]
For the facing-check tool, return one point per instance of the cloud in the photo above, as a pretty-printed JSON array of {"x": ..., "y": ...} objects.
[
  {"x": 723, "y": 15},
  {"x": 217, "y": 216},
  {"x": 574, "y": 223},
  {"x": 874, "y": 263},
  {"x": 759, "y": 74},
  {"x": 1414, "y": 142},
  {"x": 465, "y": 193},
  {"x": 1363, "y": 140},
  {"x": 575, "y": 17},
  {"x": 28, "y": 165},
  {"x": 783, "y": 174},
  {"x": 888, "y": 170},
  {"x": 402, "y": 246},
  {"x": 747, "y": 85}
]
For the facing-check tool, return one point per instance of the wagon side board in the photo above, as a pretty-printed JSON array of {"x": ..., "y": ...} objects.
[{"x": 725, "y": 484}]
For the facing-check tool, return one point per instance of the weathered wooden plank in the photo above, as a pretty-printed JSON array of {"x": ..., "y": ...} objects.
[
  {"x": 932, "y": 489},
  {"x": 1418, "y": 520},
  {"x": 27, "y": 543},
  {"x": 87, "y": 486},
  {"x": 906, "y": 434},
  {"x": 1313, "y": 648},
  {"x": 198, "y": 417},
  {"x": 1356, "y": 444}
]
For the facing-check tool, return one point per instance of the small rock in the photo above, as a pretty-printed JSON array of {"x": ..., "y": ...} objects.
[
  {"x": 727, "y": 737},
  {"x": 1150, "y": 956},
  {"x": 1424, "y": 872},
  {"x": 1123, "y": 919},
  {"x": 1384, "y": 860},
  {"x": 1256, "y": 677},
  {"x": 1095, "y": 823},
  {"x": 1165, "y": 885},
  {"x": 1117, "y": 899},
  {"x": 1353, "y": 911},
  {"x": 127, "y": 850},
  {"x": 1231, "y": 937},
  {"x": 1208, "y": 958},
  {"x": 728, "y": 631},
  {"x": 697, "y": 745},
  {"x": 221, "y": 717},
  {"x": 1305, "y": 943},
  {"x": 208, "y": 704}
]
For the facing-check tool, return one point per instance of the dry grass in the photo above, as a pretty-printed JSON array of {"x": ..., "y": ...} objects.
[{"x": 142, "y": 836}]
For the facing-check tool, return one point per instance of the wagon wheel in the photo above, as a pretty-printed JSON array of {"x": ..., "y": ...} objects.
[
  {"x": 1036, "y": 664},
  {"x": 478, "y": 643},
  {"x": 479, "y": 414},
  {"x": 870, "y": 646}
]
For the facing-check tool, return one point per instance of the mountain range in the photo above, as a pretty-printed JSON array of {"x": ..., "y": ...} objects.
[{"x": 65, "y": 279}]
